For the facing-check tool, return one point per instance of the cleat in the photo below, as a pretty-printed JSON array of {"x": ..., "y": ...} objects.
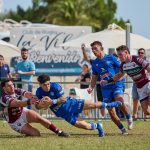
[
  {"x": 114, "y": 104},
  {"x": 124, "y": 131},
  {"x": 100, "y": 129},
  {"x": 63, "y": 134},
  {"x": 130, "y": 124}
]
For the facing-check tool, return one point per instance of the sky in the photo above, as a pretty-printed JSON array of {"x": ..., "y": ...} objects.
[{"x": 137, "y": 11}]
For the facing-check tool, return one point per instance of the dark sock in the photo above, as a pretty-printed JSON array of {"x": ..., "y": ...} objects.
[
  {"x": 53, "y": 128},
  {"x": 128, "y": 116},
  {"x": 120, "y": 126}
]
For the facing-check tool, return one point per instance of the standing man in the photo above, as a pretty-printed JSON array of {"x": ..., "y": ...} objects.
[
  {"x": 4, "y": 69},
  {"x": 105, "y": 67},
  {"x": 18, "y": 117},
  {"x": 25, "y": 70},
  {"x": 4, "y": 73},
  {"x": 98, "y": 86},
  {"x": 135, "y": 96},
  {"x": 137, "y": 68}
]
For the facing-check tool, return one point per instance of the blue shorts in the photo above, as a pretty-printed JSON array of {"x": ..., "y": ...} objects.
[
  {"x": 109, "y": 94},
  {"x": 135, "y": 95},
  {"x": 69, "y": 110}
]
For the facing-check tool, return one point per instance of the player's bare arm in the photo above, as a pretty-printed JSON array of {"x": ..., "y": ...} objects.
[
  {"x": 84, "y": 53},
  {"x": 49, "y": 101},
  {"x": 118, "y": 76},
  {"x": 61, "y": 99},
  {"x": 27, "y": 73},
  {"x": 93, "y": 83},
  {"x": 19, "y": 103},
  {"x": 44, "y": 103},
  {"x": 148, "y": 68},
  {"x": 115, "y": 78},
  {"x": 28, "y": 95}
]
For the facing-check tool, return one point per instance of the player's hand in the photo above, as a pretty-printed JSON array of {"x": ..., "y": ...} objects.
[
  {"x": 44, "y": 105},
  {"x": 47, "y": 101},
  {"x": 34, "y": 100},
  {"x": 40, "y": 105},
  {"x": 103, "y": 82},
  {"x": 28, "y": 95},
  {"x": 89, "y": 90},
  {"x": 20, "y": 72}
]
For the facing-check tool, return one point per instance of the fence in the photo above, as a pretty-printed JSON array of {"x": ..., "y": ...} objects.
[{"x": 80, "y": 94}]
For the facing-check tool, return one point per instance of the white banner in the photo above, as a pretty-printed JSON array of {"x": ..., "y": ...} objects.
[{"x": 43, "y": 43}]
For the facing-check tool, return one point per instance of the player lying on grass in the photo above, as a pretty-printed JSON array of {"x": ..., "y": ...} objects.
[
  {"x": 52, "y": 96},
  {"x": 18, "y": 117}
]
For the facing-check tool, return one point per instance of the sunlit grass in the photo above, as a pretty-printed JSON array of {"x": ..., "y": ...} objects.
[{"x": 138, "y": 138}]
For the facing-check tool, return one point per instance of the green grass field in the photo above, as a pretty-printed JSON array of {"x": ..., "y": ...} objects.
[{"x": 138, "y": 138}]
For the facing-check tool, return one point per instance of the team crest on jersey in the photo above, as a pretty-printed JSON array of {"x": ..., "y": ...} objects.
[
  {"x": 130, "y": 65},
  {"x": 52, "y": 93},
  {"x": 103, "y": 70}
]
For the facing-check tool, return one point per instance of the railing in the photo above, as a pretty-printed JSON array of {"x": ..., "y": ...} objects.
[{"x": 92, "y": 114}]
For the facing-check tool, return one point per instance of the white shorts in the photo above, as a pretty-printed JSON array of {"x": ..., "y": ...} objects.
[
  {"x": 144, "y": 91},
  {"x": 20, "y": 122}
]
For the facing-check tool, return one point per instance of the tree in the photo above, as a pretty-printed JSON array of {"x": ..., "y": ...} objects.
[{"x": 96, "y": 13}]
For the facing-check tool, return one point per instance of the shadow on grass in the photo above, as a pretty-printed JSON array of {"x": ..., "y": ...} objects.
[
  {"x": 43, "y": 135},
  {"x": 72, "y": 135},
  {"x": 106, "y": 134},
  {"x": 9, "y": 136}
]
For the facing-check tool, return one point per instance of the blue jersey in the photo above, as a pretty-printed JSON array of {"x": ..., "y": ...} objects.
[
  {"x": 69, "y": 110},
  {"x": 4, "y": 71},
  {"x": 106, "y": 68},
  {"x": 25, "y": 66}
]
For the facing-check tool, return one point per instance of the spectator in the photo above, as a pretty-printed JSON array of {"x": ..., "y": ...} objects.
[
  {"x": 4, "y": 69},
  {"x": 135, "y": 96},
  {"x": 85, "y": 77},
  {"x": 25, "y": 70},
  {"x": 4, "y": 73},
  {"x": 84, "y": 80}
]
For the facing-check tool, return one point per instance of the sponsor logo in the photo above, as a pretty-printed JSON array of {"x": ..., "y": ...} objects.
[
  {"x": 103, "y": 70},
  {"x": 52, "y": 93},
  {"x": 133, "y": 71},
  {"x": 130, "y": 65}
]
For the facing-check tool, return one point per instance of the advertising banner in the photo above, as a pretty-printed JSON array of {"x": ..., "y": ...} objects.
[{"x": 43, "y": 45}]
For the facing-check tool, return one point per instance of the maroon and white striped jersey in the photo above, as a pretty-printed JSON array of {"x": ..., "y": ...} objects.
[
  {"x": 12, "y": 113},
  {"x": 136, "y": 69}
]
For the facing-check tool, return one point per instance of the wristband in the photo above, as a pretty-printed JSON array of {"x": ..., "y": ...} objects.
[
  {"x": 54, "y": 101},
  {"x": 110, "y": 80},
  {"x": 28, "y": 102}
]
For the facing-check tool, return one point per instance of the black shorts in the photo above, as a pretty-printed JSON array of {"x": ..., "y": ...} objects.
[{"x": 99, "y": 92}]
